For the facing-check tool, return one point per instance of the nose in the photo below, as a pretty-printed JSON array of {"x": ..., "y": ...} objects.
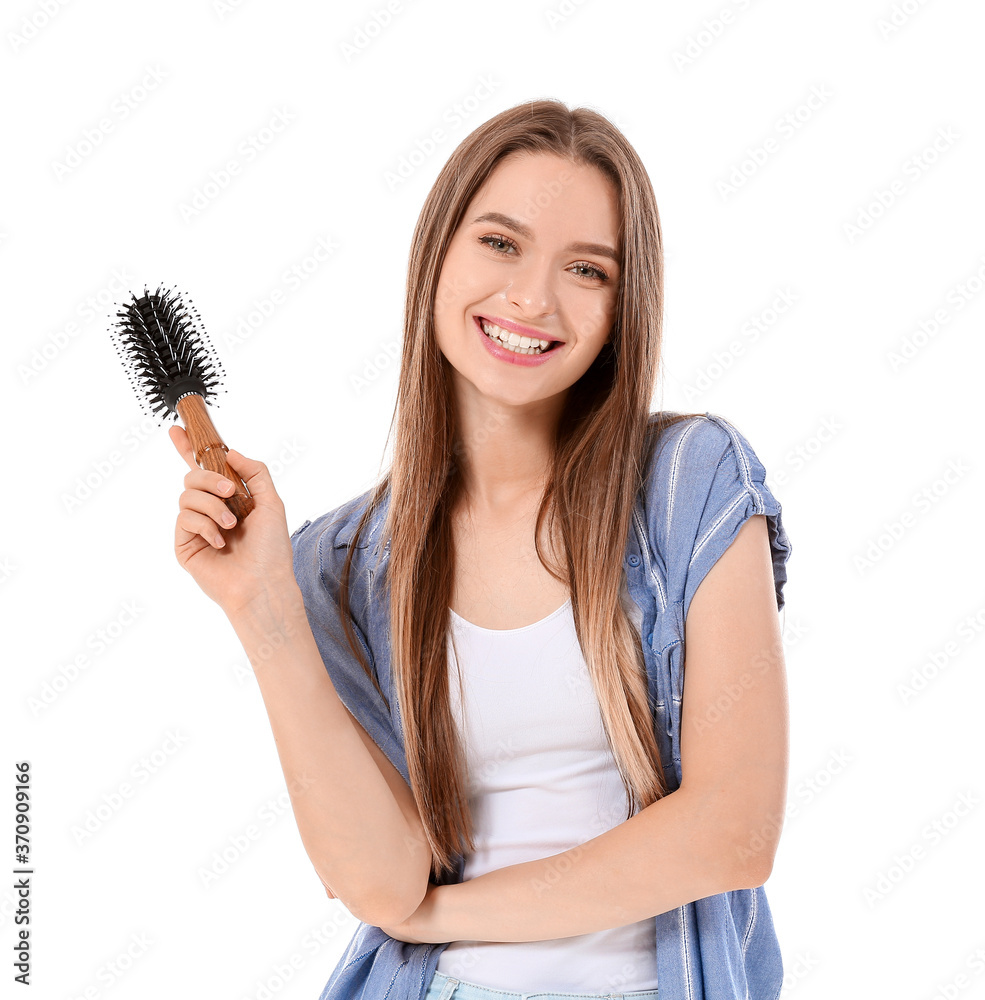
[{"x": 533, "y": 290}]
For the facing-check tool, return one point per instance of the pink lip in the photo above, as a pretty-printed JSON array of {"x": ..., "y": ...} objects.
[
  {"x": 528, "y": 360},
  {"x": 524, "y": 331}
]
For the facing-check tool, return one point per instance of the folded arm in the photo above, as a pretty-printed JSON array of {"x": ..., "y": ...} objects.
[{"x": 717, "y": 832}]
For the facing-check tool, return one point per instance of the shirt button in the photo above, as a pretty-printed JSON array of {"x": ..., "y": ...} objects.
[
  {"x": 634, "y": 560},
  {"x": 649, "y": 638}
]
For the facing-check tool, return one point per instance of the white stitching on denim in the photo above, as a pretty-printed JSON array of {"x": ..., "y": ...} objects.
[
  {"x": 674, "y": 466},
  {"x": 689, "y": 985},
  {"x": 644, "y": 544},
  {"x": 745, "y": 475},
  {"x": 713, "y": 528},
  {"x": 753, "y": 911}
]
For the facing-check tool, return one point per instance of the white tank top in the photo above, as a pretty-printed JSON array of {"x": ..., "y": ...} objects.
[{"x": 543, "y": 780}]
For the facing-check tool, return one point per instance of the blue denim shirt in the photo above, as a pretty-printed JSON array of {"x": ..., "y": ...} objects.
[{"x": 703, "y": 482}]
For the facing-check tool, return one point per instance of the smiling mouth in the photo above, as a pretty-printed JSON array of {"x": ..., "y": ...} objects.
[{"x": 513, "y": 341}]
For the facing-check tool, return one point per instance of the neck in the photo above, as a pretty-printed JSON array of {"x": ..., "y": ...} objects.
[{"x": 506, "y": 452}]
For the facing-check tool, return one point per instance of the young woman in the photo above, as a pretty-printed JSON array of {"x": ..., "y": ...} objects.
[{"x": 475, "y": 671}]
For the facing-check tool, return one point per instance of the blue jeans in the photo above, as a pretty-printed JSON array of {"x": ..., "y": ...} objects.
[{"x": 445, "y": 988}]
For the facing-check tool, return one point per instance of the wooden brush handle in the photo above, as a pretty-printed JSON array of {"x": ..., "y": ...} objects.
[{"x": 210, "y": 452}]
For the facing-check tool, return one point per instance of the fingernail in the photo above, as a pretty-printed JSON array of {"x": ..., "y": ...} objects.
[
  {"x": 225, "y": 484},
  {"x": 228, "y": 518}
]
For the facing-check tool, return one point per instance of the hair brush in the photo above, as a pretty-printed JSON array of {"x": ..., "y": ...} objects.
[{"x": 173, "y": 367}]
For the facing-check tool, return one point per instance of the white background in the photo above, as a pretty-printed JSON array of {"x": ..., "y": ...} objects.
[{"x": 853, "y": 212}]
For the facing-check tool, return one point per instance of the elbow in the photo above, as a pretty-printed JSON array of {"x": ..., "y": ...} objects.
[
  {"x": 753, "y": 876},
  {"x": 398, "y": 896},
  {"x": 386, "y": 910},
  {"x": 390, "y": 902},
  {"x": 389, "y": 894},
  {"x": 749, "y": 853}
]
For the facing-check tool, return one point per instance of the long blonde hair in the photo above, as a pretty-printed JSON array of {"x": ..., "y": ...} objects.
[{"x": 597, "y": 470}]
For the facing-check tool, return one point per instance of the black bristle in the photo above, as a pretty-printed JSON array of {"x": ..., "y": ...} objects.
[{"x": 162, "y": 344}]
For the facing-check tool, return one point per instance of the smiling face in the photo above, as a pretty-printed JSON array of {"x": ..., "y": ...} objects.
[{"x": 531, "y": 256}]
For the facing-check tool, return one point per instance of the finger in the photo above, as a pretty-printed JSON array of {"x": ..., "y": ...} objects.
[
  {"x": 255, "y": 474},
  {"x": 181, "y": 441},
  {"x": 209, "y": 482},
  {"x": 191, "y": 522},
  {"x": 209, "y": 505}
]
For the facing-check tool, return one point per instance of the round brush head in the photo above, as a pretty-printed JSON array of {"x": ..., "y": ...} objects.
[{"x": 166, "y": 352}]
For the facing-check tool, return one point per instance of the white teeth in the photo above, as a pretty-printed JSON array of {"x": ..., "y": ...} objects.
[{"x": 514, "y": 341}]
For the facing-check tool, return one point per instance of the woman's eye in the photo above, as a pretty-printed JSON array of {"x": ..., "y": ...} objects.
[
  {"x": 595, "y": 273},
  {"x": 490, "y": 240}
]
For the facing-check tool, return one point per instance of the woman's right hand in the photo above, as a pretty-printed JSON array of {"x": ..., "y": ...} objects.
[{"x": 233, "y": 564}]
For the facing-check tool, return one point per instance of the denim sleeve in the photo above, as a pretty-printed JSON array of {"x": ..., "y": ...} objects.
[
  {"x": 714, "y": 482},
  {"x": 318, "y": 568}
]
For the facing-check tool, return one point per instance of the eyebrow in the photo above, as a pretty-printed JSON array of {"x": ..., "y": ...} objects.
[{"x": 600, "y": 249}]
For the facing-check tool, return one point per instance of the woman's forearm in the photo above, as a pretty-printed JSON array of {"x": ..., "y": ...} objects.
[
  {"x": 678, "y": 849},
  {"x": 361, "y": 831}
]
